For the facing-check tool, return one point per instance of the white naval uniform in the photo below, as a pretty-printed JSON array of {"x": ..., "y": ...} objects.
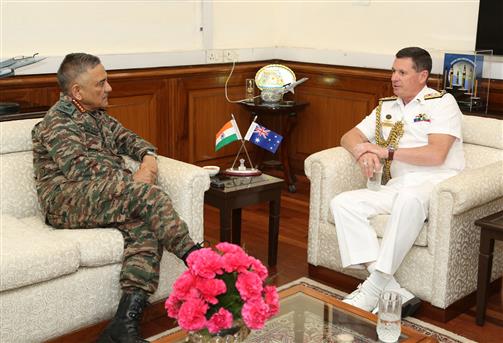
[{"x": 406, "y": 196}]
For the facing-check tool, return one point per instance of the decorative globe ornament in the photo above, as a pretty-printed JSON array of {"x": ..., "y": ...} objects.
[{"x": 272, "y": 80}]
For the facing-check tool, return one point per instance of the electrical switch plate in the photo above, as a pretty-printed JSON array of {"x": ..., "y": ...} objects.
[
  {"x": 214, "y": 56},
  {"x": 231, "y": 55}
]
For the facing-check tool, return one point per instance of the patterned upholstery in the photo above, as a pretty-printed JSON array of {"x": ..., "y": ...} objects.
[
  {"x": 58, "y": 281},
  {"x": 442, "y": 265}
]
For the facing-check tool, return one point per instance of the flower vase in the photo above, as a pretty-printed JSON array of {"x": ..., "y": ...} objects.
[{"x": 235, "y": 334}]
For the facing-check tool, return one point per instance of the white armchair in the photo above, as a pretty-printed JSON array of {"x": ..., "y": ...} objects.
[
  {"x": 53, "y": 282},
  {"x": 441, "y": 267}
]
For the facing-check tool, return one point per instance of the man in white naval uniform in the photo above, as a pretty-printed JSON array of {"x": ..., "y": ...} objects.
[{"x": 429, "y": 151}]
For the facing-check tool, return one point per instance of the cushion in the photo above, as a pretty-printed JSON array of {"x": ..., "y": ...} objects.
[
  {"x": 483, "y": 131},
  {"x": 19, "y": 196},
  {"x": 477, "y": 156},
  {"x": 15, "y": 135},
  {"x": 29, "y": 254},
  {"x": 97, "y": 247}
]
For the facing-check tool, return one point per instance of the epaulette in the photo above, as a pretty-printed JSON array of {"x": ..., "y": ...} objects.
[
  {"x": 389, "y": 98},
  {"x": 435, "y": 95},
  {"x": 66, "y": 107}
]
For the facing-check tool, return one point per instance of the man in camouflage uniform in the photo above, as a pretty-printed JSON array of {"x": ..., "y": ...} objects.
[{"x": 82, "y": 182}]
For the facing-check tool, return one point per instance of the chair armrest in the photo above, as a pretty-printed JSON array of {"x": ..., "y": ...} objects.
[
  {"x": 185, "y": 183},
  {"x": 331, "y": 171},
  {"x": 474, "y": 187},
  {"x": 455, "y": 204},
  {"x": 469, "y": 189}
]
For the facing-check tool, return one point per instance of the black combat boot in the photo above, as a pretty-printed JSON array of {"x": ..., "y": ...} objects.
[
  {"x": 195, "y": 247},
  {"x": 124, "y": 326}
]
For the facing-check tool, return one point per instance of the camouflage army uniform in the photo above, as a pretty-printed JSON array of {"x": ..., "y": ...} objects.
[{"x": 82, "y": 182}]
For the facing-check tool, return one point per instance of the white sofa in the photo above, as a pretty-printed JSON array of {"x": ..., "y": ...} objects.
[
  {"x": 56, "y": 281},
  {"x": 442, "y": 265}
]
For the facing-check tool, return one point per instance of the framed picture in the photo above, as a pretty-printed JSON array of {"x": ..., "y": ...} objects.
[{"x": 463, "y": 78}]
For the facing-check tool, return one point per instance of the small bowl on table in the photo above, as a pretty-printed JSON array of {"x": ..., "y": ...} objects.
[{"x": 212, "y": 170}]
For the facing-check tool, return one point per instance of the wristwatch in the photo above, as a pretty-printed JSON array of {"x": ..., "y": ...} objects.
[
  {"x": 151, "y": 153},
  {"x": 391, "y": 153}
]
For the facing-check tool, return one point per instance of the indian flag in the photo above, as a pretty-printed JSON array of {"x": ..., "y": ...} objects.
[{"x": 227, "y": 134}]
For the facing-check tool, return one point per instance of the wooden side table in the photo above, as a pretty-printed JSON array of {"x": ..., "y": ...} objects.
[
  {"x": 243, "y": 191},
  {"x": 288, "y": 112},
  {"x": 491, "y": 229}
]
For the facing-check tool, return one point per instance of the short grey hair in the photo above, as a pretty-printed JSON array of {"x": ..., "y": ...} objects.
[{"x": 72, "y": 66}]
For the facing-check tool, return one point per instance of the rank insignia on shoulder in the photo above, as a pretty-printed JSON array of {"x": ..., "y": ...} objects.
[
  {"x": 389, "y": 98},
  {"x": 435, "y": 95},
  {"x": 66, "y": 107},
  {"x": 422, "y": 117}
]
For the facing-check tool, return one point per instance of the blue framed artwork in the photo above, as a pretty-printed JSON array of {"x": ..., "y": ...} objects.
[
  {"x": 462, "y": 76},
  {"x": 462, "y": 70}
]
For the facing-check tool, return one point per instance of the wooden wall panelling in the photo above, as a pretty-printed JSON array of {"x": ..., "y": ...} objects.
[
  {"x": 339, "y": 99},
  {"x": 496, "y": 97},
  {"x": 137, "y": 105},
  {"x": 331, "y": 113},
  {"x": 166, "y": 129},
  {"x": 175, "y": 113},
  {"x": 31, "y": 92},
  {"x": 181, "y": 108},
  {"x": 208, "y": 110}
]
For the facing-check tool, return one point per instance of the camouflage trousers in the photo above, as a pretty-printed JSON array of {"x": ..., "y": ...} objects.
[{"x": 142, "y": 212}]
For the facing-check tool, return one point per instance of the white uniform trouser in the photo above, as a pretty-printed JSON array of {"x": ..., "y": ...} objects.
[{"x": 405, "y": 198}]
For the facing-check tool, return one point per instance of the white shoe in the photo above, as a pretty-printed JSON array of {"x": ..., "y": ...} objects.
[
  {"x": 352, "y": 294},
  {"x": 362, "y": 299}
]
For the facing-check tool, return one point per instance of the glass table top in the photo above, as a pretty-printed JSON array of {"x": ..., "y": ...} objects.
[{"x": 308, "y": 315}]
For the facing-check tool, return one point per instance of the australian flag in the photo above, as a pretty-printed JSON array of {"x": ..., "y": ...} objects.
[{"x": 264, "y": 138}]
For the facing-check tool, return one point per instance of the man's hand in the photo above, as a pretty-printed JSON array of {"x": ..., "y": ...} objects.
[
  {"x": 369, "y": 162},
  {"x": 148, "y": 171},
  {"x": 363, "y": 148}
]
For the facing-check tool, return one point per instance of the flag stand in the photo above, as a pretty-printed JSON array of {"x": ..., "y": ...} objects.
[{"x": 242, "y": 170}]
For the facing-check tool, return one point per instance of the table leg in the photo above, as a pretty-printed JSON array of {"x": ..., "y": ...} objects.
[
  {"x": 274, "y": 207},
  {"x": 484, "y": 274},
  {"x": 225, "y": 224},
  {"x": 289, "y": 122},
  {"x": 236, "y": 226}
]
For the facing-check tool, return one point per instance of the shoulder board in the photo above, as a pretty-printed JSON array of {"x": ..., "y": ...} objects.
[
  {"x": 388, "y": 98},
  {"x": 66, "y": 107},
  {"x": 435, "y": 95}
]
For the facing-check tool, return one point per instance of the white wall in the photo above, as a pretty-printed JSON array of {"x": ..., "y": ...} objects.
[
  {"x": 101, "y": 27},
  {"x": 135, "y": 34},
  {"x": 382, "y": 26}
]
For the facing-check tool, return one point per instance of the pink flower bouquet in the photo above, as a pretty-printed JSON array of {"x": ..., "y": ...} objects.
[{"x": 222, "y": 287}]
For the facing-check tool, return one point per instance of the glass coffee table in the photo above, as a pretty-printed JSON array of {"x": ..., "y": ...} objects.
[{"x": 310, "y": 315}]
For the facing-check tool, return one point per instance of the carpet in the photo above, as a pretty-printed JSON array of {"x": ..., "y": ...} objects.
[{"x": 280, "y": 325}]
